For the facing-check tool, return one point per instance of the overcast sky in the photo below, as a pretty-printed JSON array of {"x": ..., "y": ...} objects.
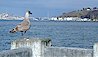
[{"x": 41, "y": 8}]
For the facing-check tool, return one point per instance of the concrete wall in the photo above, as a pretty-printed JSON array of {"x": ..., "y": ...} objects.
[
  {"x": 36, "y": 44},
  {"x": 21, "y": 52},
  {"x": 68, "y": 52},
  {"x": 95, "y": 48},
  {"x": 42, "y": 48}
]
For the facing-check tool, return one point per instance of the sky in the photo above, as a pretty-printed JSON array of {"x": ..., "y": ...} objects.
[{"x": 44, "y": 8}]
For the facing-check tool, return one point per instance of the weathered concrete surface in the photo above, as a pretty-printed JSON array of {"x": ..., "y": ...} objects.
[
  {"x": 21, "y": 52},
  {"x": 42, "y": 48},
  {"x": 68, "y": 52},
  {"x": 95, "y": 48},
  {"x": 37, "y": 45}
]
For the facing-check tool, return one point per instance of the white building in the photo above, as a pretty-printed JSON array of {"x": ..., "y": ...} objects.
[{"x": 54, "y": 18}]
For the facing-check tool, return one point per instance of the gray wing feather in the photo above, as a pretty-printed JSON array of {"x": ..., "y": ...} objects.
[{"x": 25, "y": 25}]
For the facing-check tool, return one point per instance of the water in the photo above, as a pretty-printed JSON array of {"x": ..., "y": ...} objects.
[{"x": 63, "y": 34}]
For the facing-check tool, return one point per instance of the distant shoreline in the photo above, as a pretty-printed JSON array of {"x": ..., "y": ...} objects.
[{"x": 50, "y": 21}]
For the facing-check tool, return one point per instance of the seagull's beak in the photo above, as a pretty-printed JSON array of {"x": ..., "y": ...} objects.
[{"x": 30, "y": 13}]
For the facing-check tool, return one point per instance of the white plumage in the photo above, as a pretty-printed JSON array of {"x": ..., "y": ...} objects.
[{"x": 24, "y": 25}]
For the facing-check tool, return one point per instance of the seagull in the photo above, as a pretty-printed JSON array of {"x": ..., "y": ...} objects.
[{"x": 24, "y": 25}]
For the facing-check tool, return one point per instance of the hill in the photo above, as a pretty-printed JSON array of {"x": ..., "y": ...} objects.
[{"x": 84, "y": 13}]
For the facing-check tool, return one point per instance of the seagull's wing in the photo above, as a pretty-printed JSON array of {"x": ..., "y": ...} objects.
[{"x": 23, "y": 26}]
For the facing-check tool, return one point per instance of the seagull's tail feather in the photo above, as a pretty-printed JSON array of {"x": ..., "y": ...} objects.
[{"x": 13, "y": 30}]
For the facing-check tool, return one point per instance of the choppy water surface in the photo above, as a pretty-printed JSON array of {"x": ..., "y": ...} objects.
[{"x": 63, "y": 34}]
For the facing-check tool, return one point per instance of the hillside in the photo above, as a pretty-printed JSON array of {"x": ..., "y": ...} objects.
[{"x": 84, "y": 13}]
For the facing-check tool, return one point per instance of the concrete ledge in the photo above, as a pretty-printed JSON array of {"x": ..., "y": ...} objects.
[
  {"x": 68, "y": 52},
  {"x": 21, "y": 52},
  {"x": 38, "y": 45},
  {"x": 74, "y": 48},
  {"x": 32, "y": 39}
]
